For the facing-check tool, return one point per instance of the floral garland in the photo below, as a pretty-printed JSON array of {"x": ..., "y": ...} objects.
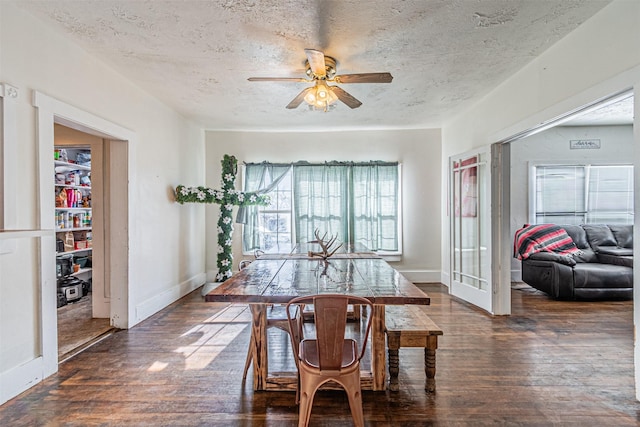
[{"x": 227, "y": 198}]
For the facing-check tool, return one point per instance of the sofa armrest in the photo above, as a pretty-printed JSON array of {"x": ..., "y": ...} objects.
[
  {"x": 554, "y": 278},
  {"x": 553, "y": 257}
]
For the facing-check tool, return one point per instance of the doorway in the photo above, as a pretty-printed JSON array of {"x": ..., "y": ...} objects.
[
  {"x": 83, "y": 302},
  {"x": 600, "y": 136},
  {"x": 116, "y": 175}
]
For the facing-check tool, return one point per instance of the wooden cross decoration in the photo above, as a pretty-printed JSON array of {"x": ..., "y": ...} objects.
[{"x": 227, "y": 198}]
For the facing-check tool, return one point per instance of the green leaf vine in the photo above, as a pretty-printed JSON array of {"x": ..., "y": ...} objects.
[{"x": 227, "y": 197}]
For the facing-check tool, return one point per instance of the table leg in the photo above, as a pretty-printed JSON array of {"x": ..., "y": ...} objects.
[
  {"x": 259, "y": 335},
  {"x": 430, "y": 362},
  {"x": 378, "y": 356}
]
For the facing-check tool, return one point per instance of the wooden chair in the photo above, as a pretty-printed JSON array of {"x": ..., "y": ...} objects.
[{"x": 329, "y": 356}]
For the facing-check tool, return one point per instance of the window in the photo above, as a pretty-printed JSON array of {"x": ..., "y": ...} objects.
[
  {"x": 583, "y": 194},
  {"x": 358, "y": 202}
]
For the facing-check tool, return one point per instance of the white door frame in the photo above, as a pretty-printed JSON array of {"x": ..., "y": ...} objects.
[
  {"x": 502, "y": 252},
  {"x": 50, "y": 111}
]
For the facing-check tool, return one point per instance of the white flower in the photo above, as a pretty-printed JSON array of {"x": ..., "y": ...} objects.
[
  {"x": 219, "y": 277},
  {"x": 210, "y": 191},
  {"x": 201, "y": 195},
  {"x": 231, "y": 192},
  {"x": 220, "y": 249},
  {"x": 226, "y": 220},
  {"x": 228, "y": 177},
  {"x": 184, "y": 191},
  {"x": 219, "y": 195},
  {"x": 229, "y": 206},
  {"x": 252, "y": 199},
  {"x": 224, "y": 262},
  {"x": 228, "y": 242},
  {"x": 194, "y": 190},
  {"x": 240, "y": 197},
  {"x": 219, "y": 229},
  {"x": 228, "y": 273}
]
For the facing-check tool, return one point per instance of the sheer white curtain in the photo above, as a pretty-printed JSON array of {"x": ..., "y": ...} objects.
[
  {"x": 358, "y": 202},
  {"x": 321, "y": 201},
  {"x": 261, "y": 178},
  {"x": 375, "y": 206}
]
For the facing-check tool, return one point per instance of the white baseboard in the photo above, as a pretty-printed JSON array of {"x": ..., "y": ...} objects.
[
  {"x": 16, "y": 380},
  {"x": 421, "y": 276},
  {"x": 160, "y": 301}
]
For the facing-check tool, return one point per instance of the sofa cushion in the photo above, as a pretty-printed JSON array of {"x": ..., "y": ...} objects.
[
  {"x": 616, "y": 251},
  {"x": 595, "y": 275},
  {"x": 599, "y": 235},
  {"x": 626, "y": 260},
  {"x": 578, "y": 235},
  {"x": 623, "y": 235}
]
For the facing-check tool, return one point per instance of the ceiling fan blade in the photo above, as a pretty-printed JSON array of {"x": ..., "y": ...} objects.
[
  {"x": 345, "y": 97},
  {"x": 279, "y": 79},
  {"x": 364, "y": 78},
  {"x": 316, "y": 62},
  {"x": 295, "y": 102}
]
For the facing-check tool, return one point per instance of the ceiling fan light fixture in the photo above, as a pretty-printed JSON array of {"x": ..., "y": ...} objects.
[
  {"x": 310, "y": 97},
  {"x": 321, "y": 69},
  {"x": 321, "y": 96}
]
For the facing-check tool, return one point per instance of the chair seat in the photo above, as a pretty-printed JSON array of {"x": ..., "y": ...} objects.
[{"x": 309, "y": 353}]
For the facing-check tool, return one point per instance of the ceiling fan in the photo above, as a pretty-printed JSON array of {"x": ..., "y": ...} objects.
[{"x": 321, "y": 69}]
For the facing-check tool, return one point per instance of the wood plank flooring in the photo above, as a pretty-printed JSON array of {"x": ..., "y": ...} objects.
[{"x": 550, "y": 363}]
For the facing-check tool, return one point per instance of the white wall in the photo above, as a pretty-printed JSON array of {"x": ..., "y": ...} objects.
[
  {"x": 552, "y": 147},
  {"x": 417, "y": 150},
  {"x": 166, "y": 245}
]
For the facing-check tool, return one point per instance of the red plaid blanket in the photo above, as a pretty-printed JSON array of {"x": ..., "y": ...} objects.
[{"x": 542, "y": 238}]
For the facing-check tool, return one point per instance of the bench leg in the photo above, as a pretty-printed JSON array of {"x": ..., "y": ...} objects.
[{"x": 430, "y": 363}]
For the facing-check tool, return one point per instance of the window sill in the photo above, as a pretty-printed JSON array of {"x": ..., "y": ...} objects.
[{"x": 391, "y": 257}]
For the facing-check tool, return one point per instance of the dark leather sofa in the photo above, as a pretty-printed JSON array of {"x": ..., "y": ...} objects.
[{"x": 602, "y": 270}]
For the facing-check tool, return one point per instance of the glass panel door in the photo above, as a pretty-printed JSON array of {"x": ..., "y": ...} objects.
[{"x": 471, "y": 227}]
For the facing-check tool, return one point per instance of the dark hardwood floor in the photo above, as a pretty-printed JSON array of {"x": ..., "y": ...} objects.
[
  {"x": 77, "y": 328},
  {"x": 550, "y": 363}
]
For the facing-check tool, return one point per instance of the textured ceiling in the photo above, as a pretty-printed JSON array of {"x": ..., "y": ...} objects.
[{"x": 196, "y": 56}]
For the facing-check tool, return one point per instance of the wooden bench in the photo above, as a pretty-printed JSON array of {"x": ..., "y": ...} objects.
[{"x": 409, "y": 326}]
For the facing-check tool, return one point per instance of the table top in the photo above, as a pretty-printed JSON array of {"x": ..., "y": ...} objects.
[{"x": 278, "y": 280}]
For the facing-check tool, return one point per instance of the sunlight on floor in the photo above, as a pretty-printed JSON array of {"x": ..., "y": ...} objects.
[{"x": 210, "y": 337}]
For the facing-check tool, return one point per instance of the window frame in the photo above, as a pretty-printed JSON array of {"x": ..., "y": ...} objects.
[
  {"x": 387, "y": 255},
  {"x": 533, "y": 189}
]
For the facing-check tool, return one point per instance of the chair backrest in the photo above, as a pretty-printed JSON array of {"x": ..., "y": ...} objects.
[
  {"x": 330, "y": 320},
  {"x": 244, "y": 264}
]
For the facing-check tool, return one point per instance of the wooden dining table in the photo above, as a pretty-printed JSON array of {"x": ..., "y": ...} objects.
[{"x": 276, "y": 279}]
